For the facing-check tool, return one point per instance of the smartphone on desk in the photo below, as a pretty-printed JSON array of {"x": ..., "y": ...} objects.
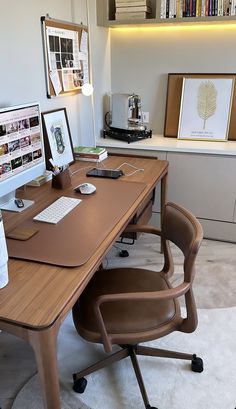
[{"x": 105, "y": 173}]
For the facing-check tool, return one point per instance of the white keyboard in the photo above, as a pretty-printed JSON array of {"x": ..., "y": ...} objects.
[{"x": 57, "y": 210}]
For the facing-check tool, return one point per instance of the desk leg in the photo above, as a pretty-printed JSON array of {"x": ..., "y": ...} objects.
[
  {"x": 163, "y": 199},
  {"x": 44, "y": 345}
]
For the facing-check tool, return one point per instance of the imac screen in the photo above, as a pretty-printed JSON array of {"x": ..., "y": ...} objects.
[{"x": 21, "y": 149}]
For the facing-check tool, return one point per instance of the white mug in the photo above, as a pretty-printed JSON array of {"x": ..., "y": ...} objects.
[{"x": 3, "y": 256}]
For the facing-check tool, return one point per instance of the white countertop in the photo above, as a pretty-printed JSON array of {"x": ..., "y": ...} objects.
[{"x": 160, "y": 143}]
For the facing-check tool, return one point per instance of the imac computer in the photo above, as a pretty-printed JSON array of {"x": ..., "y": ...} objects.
[{"x": 21, "y": 152}]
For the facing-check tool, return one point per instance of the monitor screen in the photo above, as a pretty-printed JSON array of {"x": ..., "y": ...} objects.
[{"x": 21, "y": 150}]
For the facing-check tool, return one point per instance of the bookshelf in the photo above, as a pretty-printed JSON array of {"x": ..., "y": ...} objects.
[{"x": 106, "y": 17}]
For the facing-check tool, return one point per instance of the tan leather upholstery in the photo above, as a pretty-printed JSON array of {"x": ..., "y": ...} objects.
[
  {"x": 131, "y": 305},
  {"x": 151, "y": 313}
]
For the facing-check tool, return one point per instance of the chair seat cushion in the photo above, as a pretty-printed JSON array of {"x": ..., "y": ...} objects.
[{"x": 125, "y": 317}]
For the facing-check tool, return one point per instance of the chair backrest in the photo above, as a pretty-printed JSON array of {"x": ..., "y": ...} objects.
[{"x": 182, "y": 228}]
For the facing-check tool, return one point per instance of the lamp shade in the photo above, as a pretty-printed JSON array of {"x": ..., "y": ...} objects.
[{"x": 87, "y": 89}]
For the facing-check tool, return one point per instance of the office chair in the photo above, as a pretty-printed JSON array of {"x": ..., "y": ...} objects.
[{"x": 129, "y": 306}]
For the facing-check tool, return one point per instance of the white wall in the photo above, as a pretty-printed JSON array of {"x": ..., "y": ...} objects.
[
  {"x": 136, "y": 60},
  {"x": 101, "y": 65},
  {"x": 22, "y": 77},
  {"x": 142, "y": 58}
]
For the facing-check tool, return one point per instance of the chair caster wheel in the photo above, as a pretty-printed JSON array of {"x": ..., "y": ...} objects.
[
  {"x": 123, "y": 253},
  {"x": 151, "y": 407},
  {"x": 197, "y": 364},
  {"x": 79, "y": 384}
]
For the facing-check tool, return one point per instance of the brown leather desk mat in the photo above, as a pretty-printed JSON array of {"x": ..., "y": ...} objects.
[{"x": 75, "y": 238}]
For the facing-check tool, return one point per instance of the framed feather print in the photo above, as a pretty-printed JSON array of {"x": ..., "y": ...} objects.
[{"x": 205, "y": 108}]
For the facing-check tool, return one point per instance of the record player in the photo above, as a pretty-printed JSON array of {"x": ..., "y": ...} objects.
[{"x": 124, "y": 121}]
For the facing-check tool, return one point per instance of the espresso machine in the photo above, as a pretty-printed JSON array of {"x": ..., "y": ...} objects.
[{"x": 124, "y": 120}]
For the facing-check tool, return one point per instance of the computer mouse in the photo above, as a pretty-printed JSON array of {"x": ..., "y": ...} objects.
[{"x": 85, "y": 189}]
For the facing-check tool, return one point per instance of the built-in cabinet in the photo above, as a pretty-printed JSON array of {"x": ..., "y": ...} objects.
[
  {"x": 106, "y": 16},
  {"x": 205, "y": 183}
]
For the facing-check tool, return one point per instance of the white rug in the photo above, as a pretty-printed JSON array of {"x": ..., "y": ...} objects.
[{"x": 170, "y": 383}]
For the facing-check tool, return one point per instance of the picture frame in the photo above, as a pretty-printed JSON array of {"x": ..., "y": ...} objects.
[
  {"x": 205, "y": 108},
  {"x": 57, "y": 138}
]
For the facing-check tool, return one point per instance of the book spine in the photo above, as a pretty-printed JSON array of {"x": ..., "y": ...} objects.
[
  {"x": 87, "y": 155},
  {"x": 172, "y": 9},
  {"x": 132, "y": 9},
  {"x": 198, "y": 8},
  {"x": 220, "y": 7},
  {"x": 90, "y": 159},
  {"x": 78, "y": 151},
  {"x": 210, "y": 7},
  {"x": 175, "y": 5},
  {"x": 187, "y": 8},
  {"x": 163, "y": 9},
  {"x": 193, "y": 8},
  {"x": 226, "y": 7},
  {"x": 179, "y": 8},
  {"x": 203, "y": 8},
  {"x": 134, "y": 15},
  {"x": 232, "y": 12},
  {"x": 134, "y": 3},
  {"x": 190, "y": 12},
  {"x": 213, "y": 8},
  {"x": 167, "y": 8},
  {"x": 124, "y": 2}
]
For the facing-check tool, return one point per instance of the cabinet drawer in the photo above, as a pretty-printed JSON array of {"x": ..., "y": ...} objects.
[{"x": 204, "y": 184}]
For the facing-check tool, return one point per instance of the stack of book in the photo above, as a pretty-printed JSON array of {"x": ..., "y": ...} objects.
[
  {"x": 90, "y": 154},
  {"x": 40, "y": 180},
  {"x": 133, "y": 9}
]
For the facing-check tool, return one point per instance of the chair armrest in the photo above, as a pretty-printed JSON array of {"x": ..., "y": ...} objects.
[
  {"x": 143, "y": 296},
  {"x": 135, "y": 228},
  {"x": 139, "y": 296}
]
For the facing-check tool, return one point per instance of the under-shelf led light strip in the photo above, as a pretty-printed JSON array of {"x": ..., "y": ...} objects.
[{"x": 182, "y": 26}]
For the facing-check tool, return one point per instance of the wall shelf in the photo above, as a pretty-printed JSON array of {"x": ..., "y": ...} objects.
[{"x": 106, "y": 18}]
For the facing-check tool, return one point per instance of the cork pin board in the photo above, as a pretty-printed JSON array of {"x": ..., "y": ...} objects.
[
  {"x": 173, "y": 103},
  {"x": 66, "y": 54}
]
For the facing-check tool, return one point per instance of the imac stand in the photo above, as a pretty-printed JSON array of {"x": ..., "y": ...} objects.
[{"x": 7, "y": 202}]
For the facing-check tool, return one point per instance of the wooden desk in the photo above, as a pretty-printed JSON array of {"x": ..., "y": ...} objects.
[{"x": 39, "y": 296}]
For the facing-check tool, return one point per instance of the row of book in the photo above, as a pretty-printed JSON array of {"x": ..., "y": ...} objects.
[
  {"x": 90, "y": 154},
  {"x": 197, "y": 8},
  {"x": 132, "y": 9}
]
